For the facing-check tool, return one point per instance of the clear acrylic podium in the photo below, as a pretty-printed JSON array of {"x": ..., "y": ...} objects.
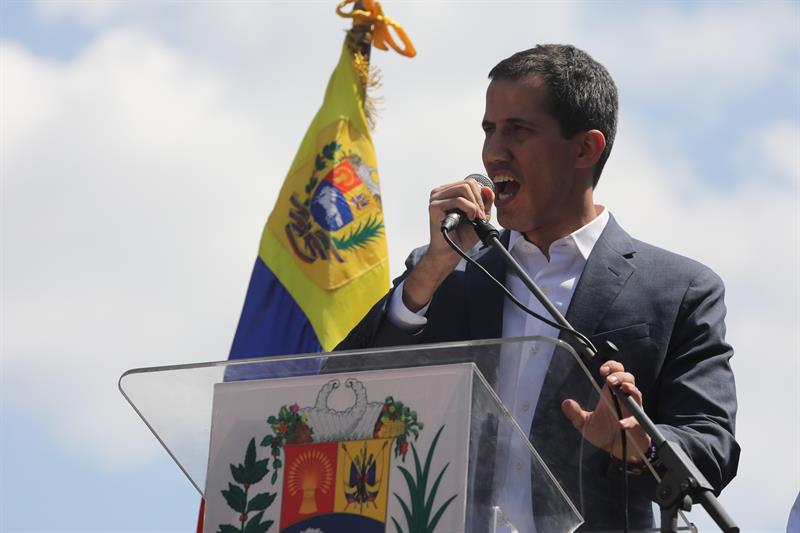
[{"x": 176, "y": 403}]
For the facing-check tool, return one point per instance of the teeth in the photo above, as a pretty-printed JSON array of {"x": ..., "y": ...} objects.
[{"x": 502, "y": 179}]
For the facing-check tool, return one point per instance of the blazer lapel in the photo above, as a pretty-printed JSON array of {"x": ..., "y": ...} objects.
[
  {"x": 607, "y": 270},
  {"x": 605, "y": 274}
]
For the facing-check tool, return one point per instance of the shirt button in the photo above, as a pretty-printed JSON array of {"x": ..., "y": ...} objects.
[
  {"x": 518, "y": 466},
  {"x": 535, "y": 348},
  {"x": 545, "y": 291},
  {"x": 526, "y": 406}
]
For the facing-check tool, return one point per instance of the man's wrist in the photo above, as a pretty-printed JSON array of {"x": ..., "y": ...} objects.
[
  {"x": 644, "y": 443},
  {"x": 402, "y": 317},
  {"x": 636, "y": 465},
  {"x": 422, "y": 282}
]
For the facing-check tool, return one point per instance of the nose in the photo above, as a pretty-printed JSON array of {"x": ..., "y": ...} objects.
[{"x": 495, "y": 150}]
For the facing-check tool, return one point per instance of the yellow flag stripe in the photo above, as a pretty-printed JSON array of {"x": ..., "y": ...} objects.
[{"x": 342, "y": 102}]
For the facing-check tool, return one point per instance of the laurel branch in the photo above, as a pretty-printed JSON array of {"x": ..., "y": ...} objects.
[
  {"x": 360, "y": 237},
  {"x": 245, "y": 475}
]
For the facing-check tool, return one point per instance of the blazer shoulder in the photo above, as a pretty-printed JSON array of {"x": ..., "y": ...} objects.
[
  {"x": 655, "y": 265},
  {"x": 671, "y": 265}
]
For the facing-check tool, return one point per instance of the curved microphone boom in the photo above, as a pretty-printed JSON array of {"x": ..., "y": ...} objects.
[{"x": 453, "y": 218}]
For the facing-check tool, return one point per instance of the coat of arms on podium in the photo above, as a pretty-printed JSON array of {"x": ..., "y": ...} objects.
[{"x": 338, "y": 461}]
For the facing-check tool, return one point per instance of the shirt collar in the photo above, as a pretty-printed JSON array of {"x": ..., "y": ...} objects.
[{"x": 583, "y": 238}]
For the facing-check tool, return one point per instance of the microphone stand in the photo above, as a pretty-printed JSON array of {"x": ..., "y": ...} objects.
[{"x": 682, "y": 483}]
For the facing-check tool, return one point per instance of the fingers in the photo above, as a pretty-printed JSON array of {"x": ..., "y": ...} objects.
[
  {"x": 488, "y": 200},
  {"x": 616, "y": 376},
  {"x": 611, "y": 367},
  {"x": 620, "y": 378},
  {"x": 572, "y": 410},
  {"x": 467, "y": 196},
  {"x": 438, "y": 208},
  {"x": 632, "y": 390},
  {"x": 628, "y": 423},
  {"x": 477, "y": 194},
  {"x": 601, "y": 427},
  {"x": 458, "y": 196}
]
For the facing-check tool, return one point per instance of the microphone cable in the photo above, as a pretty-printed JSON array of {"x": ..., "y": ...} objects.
[{"x": 577, "y": 334}]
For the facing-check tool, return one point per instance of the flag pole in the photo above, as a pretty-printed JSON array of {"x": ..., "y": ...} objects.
[{"x": 360, "y": 34}]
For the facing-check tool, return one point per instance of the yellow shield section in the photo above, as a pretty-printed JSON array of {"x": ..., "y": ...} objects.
[{"x": 362, "y": 478}]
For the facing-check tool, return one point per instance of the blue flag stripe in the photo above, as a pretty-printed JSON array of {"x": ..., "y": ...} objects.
[{"x": 271, "y": 322}]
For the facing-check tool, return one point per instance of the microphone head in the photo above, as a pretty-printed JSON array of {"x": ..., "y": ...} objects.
[{"x": 482, "y": 180}]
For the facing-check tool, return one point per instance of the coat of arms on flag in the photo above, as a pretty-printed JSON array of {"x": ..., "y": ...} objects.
[
  {"x": 333, "y": 222},
  {"x": 354, "y": 456}
]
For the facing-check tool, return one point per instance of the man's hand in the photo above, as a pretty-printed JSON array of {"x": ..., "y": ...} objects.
[
  {"x": 601, "y": 427},
  {"x": 439, "y": 260}
]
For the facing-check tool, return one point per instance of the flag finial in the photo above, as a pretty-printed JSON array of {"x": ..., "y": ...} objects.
[{"x": 370, "y": 12}]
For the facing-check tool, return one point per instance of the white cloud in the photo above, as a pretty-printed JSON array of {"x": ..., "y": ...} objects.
[
  {"x": 729, "y": 48},
  {"x": 93, "y": 12},
  {"x": 709, "y": 53},
  {"x": 780, "y": 146},
  {"x": 127, "y": 179}
]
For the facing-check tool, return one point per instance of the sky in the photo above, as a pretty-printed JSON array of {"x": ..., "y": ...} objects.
[{"x": 142, "y": 145}]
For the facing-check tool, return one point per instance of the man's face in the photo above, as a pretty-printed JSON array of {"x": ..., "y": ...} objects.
[{"x": 538, "y": 188}]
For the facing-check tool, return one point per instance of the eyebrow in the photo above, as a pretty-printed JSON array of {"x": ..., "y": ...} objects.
[{"x": 517, "y": 121}]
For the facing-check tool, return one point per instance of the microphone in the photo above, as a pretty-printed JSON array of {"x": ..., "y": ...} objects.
[{"x": 453, "y": 218}]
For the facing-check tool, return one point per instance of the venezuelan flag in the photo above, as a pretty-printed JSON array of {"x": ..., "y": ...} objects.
[{"x": 323, "y": 259}]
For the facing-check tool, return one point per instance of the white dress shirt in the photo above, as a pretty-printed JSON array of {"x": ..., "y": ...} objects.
[{"x": 521, "y": 375}]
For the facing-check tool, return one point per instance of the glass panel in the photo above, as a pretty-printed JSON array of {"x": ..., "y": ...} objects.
[{"x": 508, "y": 474}]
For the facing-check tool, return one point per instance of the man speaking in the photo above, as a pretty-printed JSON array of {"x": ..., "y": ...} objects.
[{"x": 549, "y": 124}]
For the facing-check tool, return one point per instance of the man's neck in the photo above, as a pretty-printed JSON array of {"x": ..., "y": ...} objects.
[{"x": 543, "y": 237}]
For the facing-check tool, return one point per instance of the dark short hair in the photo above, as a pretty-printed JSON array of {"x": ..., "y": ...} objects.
[{"x": 582, "y": 94}]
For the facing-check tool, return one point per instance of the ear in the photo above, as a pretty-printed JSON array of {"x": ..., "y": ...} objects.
[{"x": 592, "y": 144}]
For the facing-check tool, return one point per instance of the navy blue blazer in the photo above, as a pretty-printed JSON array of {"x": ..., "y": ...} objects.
[{"x": 666, "y": 315}]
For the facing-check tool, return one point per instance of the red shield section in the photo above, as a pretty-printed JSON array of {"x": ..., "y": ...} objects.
[
  {"x": 308, "y": 482},
  {"x": 343, "y": 176}
]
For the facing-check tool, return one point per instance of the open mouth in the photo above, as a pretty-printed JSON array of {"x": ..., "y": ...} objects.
[{"x": 505, "y": 188}]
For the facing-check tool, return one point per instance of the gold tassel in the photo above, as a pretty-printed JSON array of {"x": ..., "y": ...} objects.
[
  {"x": 369, "y": 77},
  {"x": 370, "y": 25}
]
